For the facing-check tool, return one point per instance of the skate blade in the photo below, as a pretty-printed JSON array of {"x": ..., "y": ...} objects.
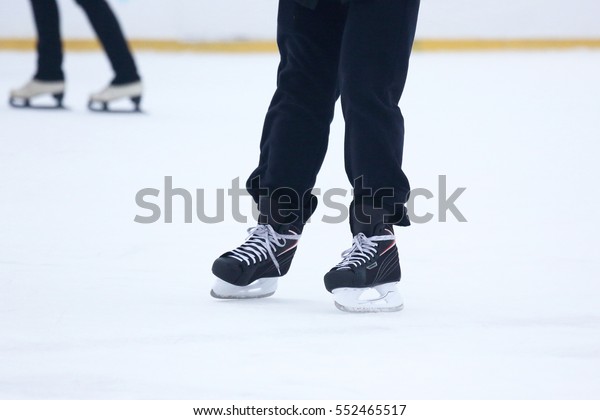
[
  {"x": 260, "y": 288},
  {"x": 26, "y": 104},
  {"x": 116, "y": 111},
  {"x": 350, "y": 299},
  {"x": 100, "y": 106}
]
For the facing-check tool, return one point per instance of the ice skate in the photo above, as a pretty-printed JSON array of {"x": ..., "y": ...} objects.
[
  {"x": 22, "y": 97},
  {"x": 100, "y": 101},
  {"x": 366, "y": 279},
  {"x": 252, "y": 269}
]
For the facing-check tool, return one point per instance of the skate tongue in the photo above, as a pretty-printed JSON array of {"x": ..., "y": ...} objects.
[
  {"x": 368, "y": 220},
  {"x": 284, "y": 226},
  {"x": 283, "y": 229},
  {"x": 372, "y": 230}
]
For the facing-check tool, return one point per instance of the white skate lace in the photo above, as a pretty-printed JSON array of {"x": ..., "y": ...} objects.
[
  {"x": 262, "y": 242},
  {"x": 362, "y": 250}
]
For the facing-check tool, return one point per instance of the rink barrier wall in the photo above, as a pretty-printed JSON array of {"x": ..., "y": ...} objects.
[{"x": 266, "y": 46}]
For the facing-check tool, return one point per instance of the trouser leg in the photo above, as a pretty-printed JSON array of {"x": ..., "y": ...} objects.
[
  {"x": 375, "y": 52},
  {"x": 49, "y": 45},
  {"x": 109, "y": 32},
  {"x": 296, "y": 128}
]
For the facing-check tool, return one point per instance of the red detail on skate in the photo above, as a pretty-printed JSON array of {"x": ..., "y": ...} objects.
[
  {"x": 290, "y": 248},
  {"x": 388, "y": 248}
]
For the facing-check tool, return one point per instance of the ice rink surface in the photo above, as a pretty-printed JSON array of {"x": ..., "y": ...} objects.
[{"x": 505, "y": 306}]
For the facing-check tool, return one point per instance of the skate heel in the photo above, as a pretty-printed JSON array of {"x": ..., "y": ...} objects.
[
  {"x": 136, "y": 102},
  {"x": 59, "y": 99}
]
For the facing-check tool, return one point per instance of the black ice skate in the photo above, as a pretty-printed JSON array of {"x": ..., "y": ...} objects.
[
  {"x": 366, "y": 279},
  {"x": 23, "y": 96},
  {"x": 100, "y": 101},
  {"x": 252, "y": 269}
]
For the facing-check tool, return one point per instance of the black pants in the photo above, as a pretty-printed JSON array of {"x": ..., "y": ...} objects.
[
  {"x": 106, "y": 26},
  {"x": 359, "y": 50}
]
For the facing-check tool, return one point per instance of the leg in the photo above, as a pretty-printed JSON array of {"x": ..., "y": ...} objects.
[
  {"x": 48, "y": 78},
  {"x": 296, "y": 129},
  {"x": 374, "y": 63},
  {"x": 292, "y": 149},
  {"x": 49, "y": 46},
  {"x": 113, "y": 41}
]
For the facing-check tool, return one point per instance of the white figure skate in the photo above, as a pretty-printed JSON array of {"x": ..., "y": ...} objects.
[
  {"x": 100, "y": 101},
  {"x": 21, "y": 97}
]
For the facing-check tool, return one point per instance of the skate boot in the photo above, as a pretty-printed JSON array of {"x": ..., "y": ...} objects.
[
  {"x": 21, "y": 98},
  {"x": 100, "y": 101},
  {"x": 366, "y": 279},
  {"x": 252, "y": 269}
]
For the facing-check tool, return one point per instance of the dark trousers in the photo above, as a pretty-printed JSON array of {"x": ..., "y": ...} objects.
[
  {"x": 359, "y": 50},
  {"x": 106, "y": 26}
]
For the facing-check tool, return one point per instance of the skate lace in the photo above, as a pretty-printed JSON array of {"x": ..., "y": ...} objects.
[
  {"x": 262, "y": 242},
  {"x": 363, "y": 249}
]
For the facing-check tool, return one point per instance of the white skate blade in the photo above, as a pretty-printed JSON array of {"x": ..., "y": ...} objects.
[
  {"x": 349, "y": 299},
  {"x": 260, "y": 288}
]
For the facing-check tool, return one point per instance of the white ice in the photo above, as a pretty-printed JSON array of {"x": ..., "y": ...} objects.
[{"x": 505, "y": 306}]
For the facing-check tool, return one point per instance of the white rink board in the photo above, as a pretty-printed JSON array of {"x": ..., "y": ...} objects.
[{"x": 197, "y": 20}]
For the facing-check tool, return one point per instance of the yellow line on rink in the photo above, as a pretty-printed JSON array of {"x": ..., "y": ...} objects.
[
  {"x": 151, "y": 45},
  {"x": 503, "y": 44},
  {"x": 267, "y": 46}
]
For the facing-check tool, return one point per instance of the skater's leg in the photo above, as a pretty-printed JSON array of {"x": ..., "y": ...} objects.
[
  {"x": 109, "y": 32},
  {"x": 49, "y": 46},
  {"x": 374, "y": 62},
  {"x": 296, "y": 128},
  {"x": 49, "y": 77},
  {"x": 293, "y": 146}
]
